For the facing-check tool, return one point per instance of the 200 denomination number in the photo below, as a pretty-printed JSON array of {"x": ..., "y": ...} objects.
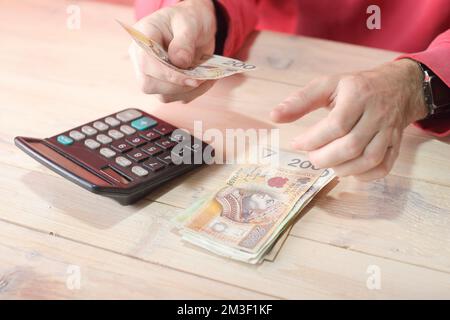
[
  {"x": 240, "y": 64},
  {"x": 306, "y": 164}
]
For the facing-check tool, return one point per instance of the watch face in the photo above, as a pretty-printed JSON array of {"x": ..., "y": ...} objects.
[{"x": 440, "y": 92}]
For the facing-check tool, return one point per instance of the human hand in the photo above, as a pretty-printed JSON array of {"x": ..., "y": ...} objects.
[
  {"x": 368, "y": 112},
  {"x": 188, "y": 30}
]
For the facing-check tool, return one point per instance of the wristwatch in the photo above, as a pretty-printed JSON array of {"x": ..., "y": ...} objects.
[{"x": 436, "y": 93}]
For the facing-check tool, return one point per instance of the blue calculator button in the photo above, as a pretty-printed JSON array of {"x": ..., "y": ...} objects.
[
  {"x": 65, "y": 140},
  {"x": 143, "y": 123}
]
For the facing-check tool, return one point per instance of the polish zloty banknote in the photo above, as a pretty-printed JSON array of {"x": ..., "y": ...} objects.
[
  {"x": 208, "y": 68},
  {"x": 245, "y": 217}
]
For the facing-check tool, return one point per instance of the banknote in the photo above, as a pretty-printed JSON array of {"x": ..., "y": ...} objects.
[
  {"x": 244, "y": 218},
  {"x": 209, "y": 67},
  {"x": 305, "y": 199}
]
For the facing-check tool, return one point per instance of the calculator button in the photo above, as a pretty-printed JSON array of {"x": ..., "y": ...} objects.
[
  {"x": 178, "y": 157},
  {"x": 100, "y": 126},
  {"x": 165, "y": 157},
  {"x": 143, "y": 123},
  {"x": 112, "y": 121},
  {"x": 115, "y": 134},
  {"x": 139, "y": 171},
  {"x": 165, "y": 143},
  {"x": 76, "y": 135},
  {"x": 65, "y": 140},
  {"x": 153, "y": 165},
  {"x": 150, "y": 135},
  {"x": 104, "y": 139},
  {"x": 137, "y": 155},
  {"x": 177, "y": 137},
  {"x": 88, "y": 130},
  {"x": 107, "y": 152},
  {"x": 122, "y": 161},
  {"x": 195, "y": 147},
  {"x": 128, "y": 115},
  {"x": 91, "y": 144},
  {"x": 127, "y": 129},
  {"x": 121, "y": 146},
  {"x": 136, "y": 140},
  {"x": 164, "y": 129},
  {"x": 152, "y": 149}
]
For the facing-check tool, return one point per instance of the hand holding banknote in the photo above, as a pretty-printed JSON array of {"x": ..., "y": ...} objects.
[
  {"x": 188, "y": 67},
  {"x": 187, "y": 30}
]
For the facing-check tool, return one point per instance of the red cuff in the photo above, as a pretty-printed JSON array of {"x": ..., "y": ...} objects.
[
  {"x": 436, "y": 57},
  {"x": 241, "y": 18},
  {"x": 439, "y": 127}
]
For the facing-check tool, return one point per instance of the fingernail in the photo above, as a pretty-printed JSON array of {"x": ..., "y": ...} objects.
[{"x": 191, "y": 82}]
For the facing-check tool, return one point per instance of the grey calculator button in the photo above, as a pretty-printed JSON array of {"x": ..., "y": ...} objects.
[
  {"x": 128, "y": 115},
  {"x": 103, "y": 138},
  {"x": 91, "y": 144},
  {"x": 100, "y": 126},
  {"x": 107, "y": 152},
  {"x": 127, "y": 129},
  {"x": 115, "y": 134},
  {"x": 88, "y": 130},
  {"x": 76, "y": 135},
  {"x": 124, "y": 162},
  {"x": 112, "y": 121},
  {"x": 139, "y": 171}
]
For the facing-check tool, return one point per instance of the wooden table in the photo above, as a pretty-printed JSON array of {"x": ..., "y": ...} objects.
[{"x": 53, "y": 78}]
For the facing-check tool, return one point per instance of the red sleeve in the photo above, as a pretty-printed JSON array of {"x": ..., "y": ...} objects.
[
  {"x": 242, "y": 18},
  {"x": 437, "y": 58}
]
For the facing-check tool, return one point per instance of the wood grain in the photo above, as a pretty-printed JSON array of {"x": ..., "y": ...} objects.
[{"x": 34, "y": 265}]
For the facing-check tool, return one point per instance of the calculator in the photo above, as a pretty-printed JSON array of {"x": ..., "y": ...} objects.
[{"x": 123, "y": 156}]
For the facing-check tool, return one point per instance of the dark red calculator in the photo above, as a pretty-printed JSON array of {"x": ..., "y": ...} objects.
[{"x": 123, "y": 155}]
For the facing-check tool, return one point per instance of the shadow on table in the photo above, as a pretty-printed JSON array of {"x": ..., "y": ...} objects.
[
  {"x": 72, "y": 200},
  {"x": 385, "y": 198}
]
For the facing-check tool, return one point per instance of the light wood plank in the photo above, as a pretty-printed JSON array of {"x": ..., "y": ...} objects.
[
  {"x": 34, "y": 265},
  {"x": 144, "y": 231}
]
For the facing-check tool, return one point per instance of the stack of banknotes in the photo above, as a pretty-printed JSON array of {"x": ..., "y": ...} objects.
[
  {"x": 209, "y": 67},
  {"x": 246, "y": 216}
]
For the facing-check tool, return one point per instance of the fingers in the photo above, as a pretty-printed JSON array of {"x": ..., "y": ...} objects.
[
  {"x": 386, "y": 165},
  {"x": 151, "y": 85},
  {"x": 314, "y": 95},
  {"x": 154, "y": 76},
  {"x": 372, "y": 156},
  {"x": 348, "y": 147},
  {"x": 183, "y": 45},
  {"x": 154, "y": 68},
  {"x": 337, "y": 124},
  {"x": 151, "y": 29},
  {"x": 188, "y": 96}
]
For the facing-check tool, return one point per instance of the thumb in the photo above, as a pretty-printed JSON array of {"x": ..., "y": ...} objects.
[
  {"x": 314, "y": 95},
  {"x": 182, "y": 47}
]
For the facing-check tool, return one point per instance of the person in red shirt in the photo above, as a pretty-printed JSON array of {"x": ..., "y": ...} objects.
[{"x": 368, "y": 109}]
